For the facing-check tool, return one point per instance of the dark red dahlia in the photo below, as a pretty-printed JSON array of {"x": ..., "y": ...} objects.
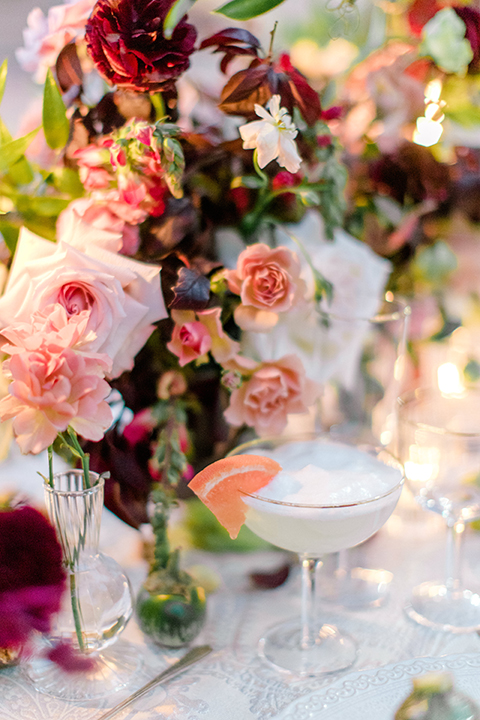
[
  {"x": 471, "y": 18},
  {"x": 32, "y": 578},
  {"x": 125, "y": 40}
]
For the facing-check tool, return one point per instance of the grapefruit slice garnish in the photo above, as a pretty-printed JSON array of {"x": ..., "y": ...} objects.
[{"x": 218, "y": 486}]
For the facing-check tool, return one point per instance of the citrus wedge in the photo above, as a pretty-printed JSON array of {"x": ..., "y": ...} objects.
[{"x": 218, "y": 486}]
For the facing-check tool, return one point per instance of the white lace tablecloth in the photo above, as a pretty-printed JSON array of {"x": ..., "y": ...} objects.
[{"x": 233, "y": 682}]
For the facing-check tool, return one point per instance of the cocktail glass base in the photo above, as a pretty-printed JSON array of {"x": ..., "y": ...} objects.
[
  {"x": 327, "y": 651},
  {"x": 434, "y": 605},
  {"x": 114, "y": 668}
]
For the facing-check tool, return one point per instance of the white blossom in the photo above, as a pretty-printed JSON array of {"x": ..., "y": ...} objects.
[{"x": 273, "y": 137}]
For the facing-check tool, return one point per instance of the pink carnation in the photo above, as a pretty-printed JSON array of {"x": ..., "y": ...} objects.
[
  {"x": 52, "y": 390},
  {"x": 45, "y": 37},
  {"x": 54, "y": 383},
  {"x": 268, "y": 282},
  {"x": 274, "y": 390}
]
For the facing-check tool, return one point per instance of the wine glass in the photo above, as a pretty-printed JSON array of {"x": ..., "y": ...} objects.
[
  {"x": 439, "y": 444},
  {"x": 363, "y": 359},
  {"x": 354, "y": 489}
]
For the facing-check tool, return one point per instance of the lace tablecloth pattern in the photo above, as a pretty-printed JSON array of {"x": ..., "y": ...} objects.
[{"x": 233, "y": 681}]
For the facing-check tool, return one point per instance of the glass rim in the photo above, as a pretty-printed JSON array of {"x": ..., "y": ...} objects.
[
  {"x": 402, "y": 310},
  {"x": 311, "y": 436},
  {"x": 98, "y": 485},
  {"x": 423, "y": 392}
]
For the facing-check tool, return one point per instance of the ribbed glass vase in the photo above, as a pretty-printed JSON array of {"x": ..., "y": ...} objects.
[{"x": 98, "y": 601}]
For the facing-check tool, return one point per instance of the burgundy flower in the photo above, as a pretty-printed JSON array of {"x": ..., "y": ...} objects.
[
  {"x": 471, "y": 18},
  {"x": 32, "y": 577},
  {"x": 126, "y": 42}
]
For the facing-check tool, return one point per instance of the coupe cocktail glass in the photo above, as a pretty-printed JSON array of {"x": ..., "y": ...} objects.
[
  {"x": 439, "y": 444},
  {"x": 306, "y": 646}
]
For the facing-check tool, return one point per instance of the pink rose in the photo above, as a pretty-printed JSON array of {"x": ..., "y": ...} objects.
[
  {"x": 268, "y": 282},
  {"x": 52, "y": 384},
  {"x": 121, "y": 296},
  {"x": 117, "y": 235},
  {"x": 45, "y": 37},
  {"x": 196, "y": 334},
  {"x": 274, "y": 390},
  {"x": 190, "y": 341}
]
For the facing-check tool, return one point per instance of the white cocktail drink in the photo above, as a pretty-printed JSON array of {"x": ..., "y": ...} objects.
[{"x": 328, "y": 497}]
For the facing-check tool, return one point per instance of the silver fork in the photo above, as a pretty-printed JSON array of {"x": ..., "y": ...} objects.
[{"x": 192, "y": 656}]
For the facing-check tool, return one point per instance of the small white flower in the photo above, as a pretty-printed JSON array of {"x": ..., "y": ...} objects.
[{"x": 272, "y": 137}]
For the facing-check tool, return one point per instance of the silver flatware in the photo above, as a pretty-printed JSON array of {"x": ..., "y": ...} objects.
[{"x": 192, "y": 656}]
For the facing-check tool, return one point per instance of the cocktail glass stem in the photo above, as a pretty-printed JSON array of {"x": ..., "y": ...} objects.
[
  {"x": 455, "y": 532},
  {"x": 309, "y": 571}
]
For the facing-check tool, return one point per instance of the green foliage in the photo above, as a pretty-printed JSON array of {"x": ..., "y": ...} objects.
[
  {"x": 247, "y": 9},
  {"x": 174, "y": 15},
  {"x": 13, "y": 150},
  {"x": 55, "y": 122},
  {"x": 206, "y": 533},
  {"x": 168, "y": 457},
  {"x": 3, "y": 78},
  {"x": 434, "y": 263}
]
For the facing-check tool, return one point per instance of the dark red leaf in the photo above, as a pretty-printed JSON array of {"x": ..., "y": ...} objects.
[
  {"x": 299, "y": 93},
  {"x": 305, "y": 98},
  {"x": 232, "y": 52},
  {"x": 192, "y": 291},
  {"x": 231, "y": 36},
  {"x": 272, "y": 579},
  {"x": 243, "y": 83}
]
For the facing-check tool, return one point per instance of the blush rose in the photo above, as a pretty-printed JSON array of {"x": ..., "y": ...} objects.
[
  {"x": 268, "y": 282},
  {"x": 121, "y": 296},
  {"x": 272, "y": 392},
  {"x": 196, "y": 334}
]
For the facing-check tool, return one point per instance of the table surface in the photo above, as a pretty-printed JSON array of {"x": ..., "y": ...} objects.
[{"x": 233, "y": 679}]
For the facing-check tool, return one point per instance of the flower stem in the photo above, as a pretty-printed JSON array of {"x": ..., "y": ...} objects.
[
  {"x": 76, "y": 611},
  {"x": 50, "y": 465},
  {"x": 258, "y": 169},
  {"x": 84, "y": 457},
  {"x": 272, "y": 36}
]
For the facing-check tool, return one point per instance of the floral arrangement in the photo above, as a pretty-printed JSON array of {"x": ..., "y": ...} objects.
[{"x": 182, "y": 249}]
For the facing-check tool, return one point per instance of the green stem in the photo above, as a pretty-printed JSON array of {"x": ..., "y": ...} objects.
[
  {"x": 50, "y": 465},
  {"x": 84, "y": 457},
  {"x": 263, "y": 176},
  {"x": 76, "y": 611}
]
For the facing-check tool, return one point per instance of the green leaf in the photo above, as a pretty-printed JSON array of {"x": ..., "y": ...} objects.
[
  {"x": 21, "y": 172},
  {"x": 5, "y": 135},
  {"x": 468, "y": 116},
  {"x": 55, "y": 122},
  {"x": 66, "y": 180},
  {"x": 13, "y": 150},
  {"x": 253, "y": 182},
  {"x": 10, "y": 235},
  {"x": 174, "y": 15},
  {"x": 247, "y": 9},
  {"x": 47, "y": 206},
  {"x": 309, "y": 198},
  {"x": 3, "y": 78}
]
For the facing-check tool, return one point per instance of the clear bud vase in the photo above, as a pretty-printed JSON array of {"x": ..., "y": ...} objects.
[{"x": 98, "y": 601}]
